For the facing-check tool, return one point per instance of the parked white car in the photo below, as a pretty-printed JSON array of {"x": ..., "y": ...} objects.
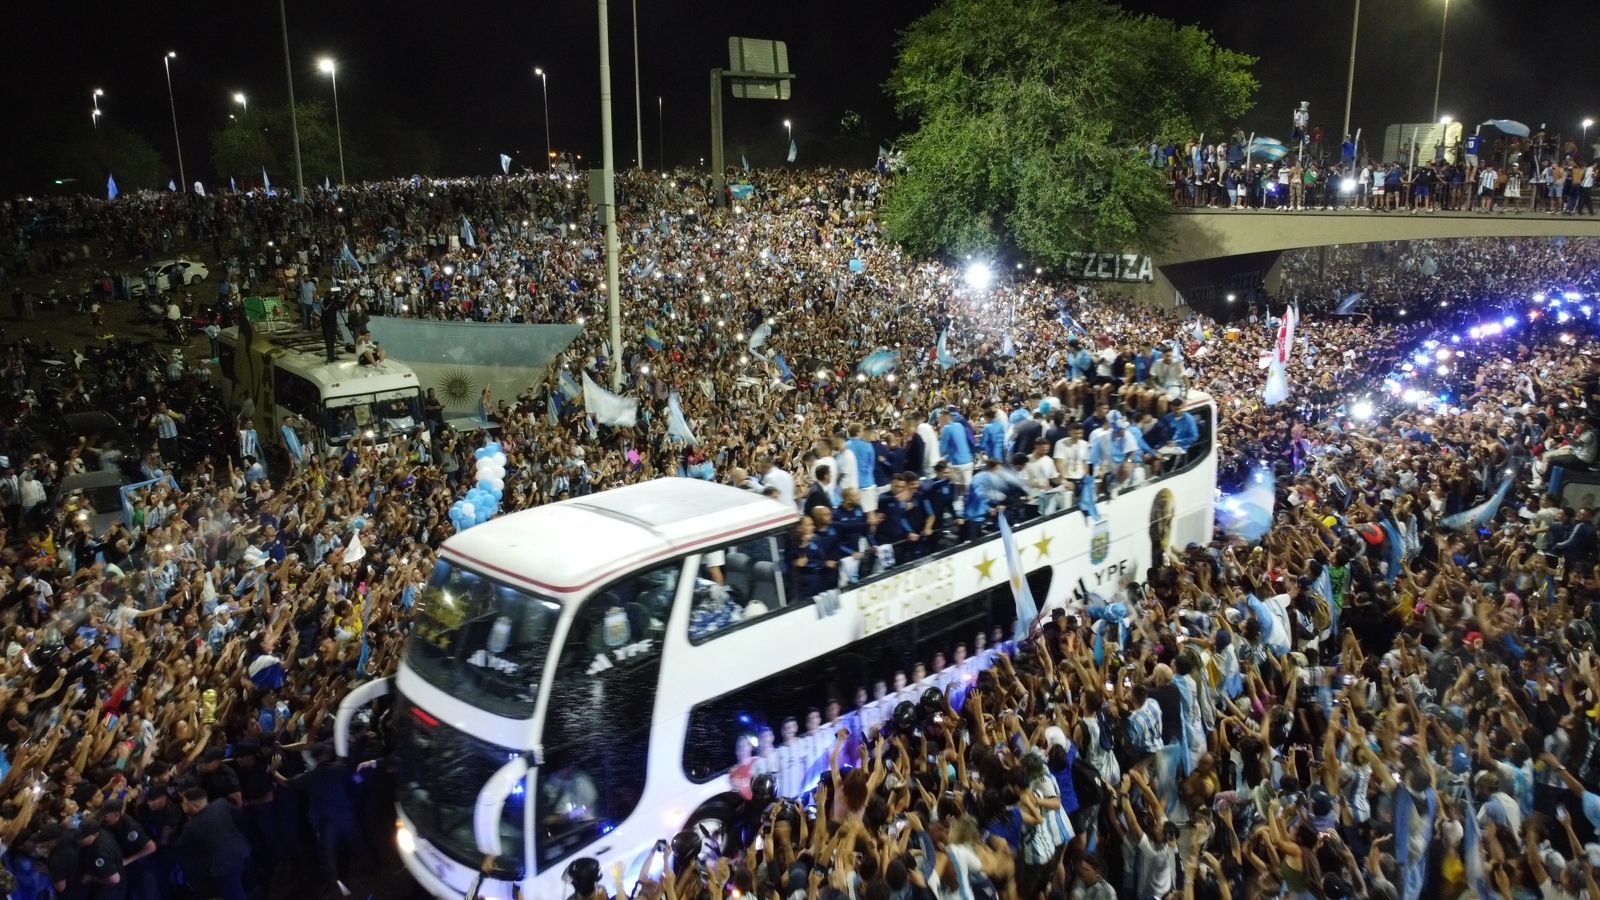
[{"x": 167, "y": 276}]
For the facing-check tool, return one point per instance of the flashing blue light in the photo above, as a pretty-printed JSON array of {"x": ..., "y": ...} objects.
[
  {"x": 1562, "y": 317},
  {"x": 1455, "y": 338},
  {"x": 1538, "y": 298},
  {"x": 1509, "y": 321},
  {"x": 744, "y": 719}
]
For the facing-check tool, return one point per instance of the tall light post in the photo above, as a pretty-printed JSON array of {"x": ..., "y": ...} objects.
[
  {"x": 176, "y": 140},
  {"x": 638, "y": 109},
  {"x": 661, "y": 132},
  {"x": 1585, "y": 140},
  {"x": 242, "y": 100},
  {"x": 294, "y": 117},
  {"x": 1350, "y": 79},
  {"x": 326, "y": 65},
  {"x": 95, "y": 99},
  {"x": 608, "y": 197},
  {"x": 1438, "y": 77},
  {"x": 544, "y": 90}
]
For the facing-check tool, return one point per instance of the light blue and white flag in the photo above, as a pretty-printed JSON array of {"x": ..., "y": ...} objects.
[
  {"x": 200, "y": 188},
  {"x": 677, "y": 425},
  {"x": 793, "y": 151},
  {"x": 350, "y": 259},
  {"x": 744, "y": 162},
  {"x": 266, "y": 183},
  {"x": 172, "y": 186},
  {"x": 505, "y": 164},
  {"x": 1482, "y": 514},
  {"x": 327, "y": 183},
  {"x": 111, "y": 187},
  {"x": 783, "y": 366},
  {"x": 759, "y": 337},
  {"x": 1086, "y": 498},
  {"x": 946, "y": 359},
  {"x": 608, "y": 408},
  {"x": 1027, "y": 609},
  {"x": 879, "y": 364},
  {"x": 468, "y": 236},
  {"x": 233, "y": 185},
  {"x": 570, "y": 388}
]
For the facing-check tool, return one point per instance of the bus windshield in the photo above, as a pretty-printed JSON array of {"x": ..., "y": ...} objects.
[
  {"x": 376, "y": 415},
  {"x": 438, "y": 773},
  {"x": 482, "y": 641}
]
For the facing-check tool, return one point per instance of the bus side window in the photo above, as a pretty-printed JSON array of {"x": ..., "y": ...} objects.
[{"x": 737, "y": 583}]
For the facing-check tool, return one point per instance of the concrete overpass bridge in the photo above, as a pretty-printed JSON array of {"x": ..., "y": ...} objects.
[{"x": 1214, "y": 252}]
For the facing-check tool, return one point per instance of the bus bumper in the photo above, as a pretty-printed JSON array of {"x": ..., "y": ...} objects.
[{"x": 438, "y": 874}]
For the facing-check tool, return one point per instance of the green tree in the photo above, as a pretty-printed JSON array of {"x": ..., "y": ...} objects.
[
  {"x": 82, "y": 156},
  {"x": 1033, "y": 121},
  {"x": 264, "y": 136}
]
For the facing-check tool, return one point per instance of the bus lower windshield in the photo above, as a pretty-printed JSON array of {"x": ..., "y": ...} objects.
[
  {"x": 482, "y": 641},
  {"x": 374, "y": 416},
  {"x": 439, "y": 772}
]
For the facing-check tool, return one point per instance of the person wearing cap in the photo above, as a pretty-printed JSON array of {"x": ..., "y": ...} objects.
[
  {"x": 1115, "y": 450},
  {"x": 100, "y": 861},
  {"x": 137, "y": 848}
]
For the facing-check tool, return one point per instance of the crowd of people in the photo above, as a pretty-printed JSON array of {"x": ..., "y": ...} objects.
[
  {"x": 1365, "y": 701},
  {"x": 1440, "y": 280},
  {"x": 1312, "y": 171}
]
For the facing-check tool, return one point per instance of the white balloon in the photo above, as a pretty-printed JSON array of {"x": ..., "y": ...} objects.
[
  {"x": 499, "y": 458},
  {"x": 468, "y": 510},
  {"x": 498, "y": 484}
]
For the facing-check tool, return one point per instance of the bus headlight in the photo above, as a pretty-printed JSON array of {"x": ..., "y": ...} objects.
[{"x": 404, "y": 839}]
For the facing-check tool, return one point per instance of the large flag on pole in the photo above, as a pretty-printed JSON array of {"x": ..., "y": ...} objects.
[
  {"x": 468, "y": 237},
  {"x": 505, "y": 164},
  {"x": 608, "y": 408},
  {"x": 172, "y": 186},
  {"x": 111, "y": 187},
  {"x": 794, "y": 151},
  {"x": 1027, "y": 609},
  {"x": 266, "y": 183},
  {"x": 233, "y": 185},
  {"x": 1291, "y": 317},
  {"x": 350, "y": 259}
]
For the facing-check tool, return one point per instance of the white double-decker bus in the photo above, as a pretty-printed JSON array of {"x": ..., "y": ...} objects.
[{"x": 559, "y": 697}]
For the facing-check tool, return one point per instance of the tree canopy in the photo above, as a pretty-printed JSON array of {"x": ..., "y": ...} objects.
[{"x": 1034, "y": 122}]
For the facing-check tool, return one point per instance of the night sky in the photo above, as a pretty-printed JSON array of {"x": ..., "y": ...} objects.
[{"x": 466, "y": 74}]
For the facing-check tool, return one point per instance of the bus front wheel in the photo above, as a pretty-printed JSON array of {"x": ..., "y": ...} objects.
[{"x": 716, "y": 823}]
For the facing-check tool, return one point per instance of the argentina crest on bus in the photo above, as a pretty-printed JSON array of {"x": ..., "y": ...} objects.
[{"x": 1100, "y": 540}]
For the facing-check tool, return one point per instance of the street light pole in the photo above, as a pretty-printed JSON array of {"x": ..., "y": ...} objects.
[
  {"x": 608, "y": 187},
  {"x": 294, "y": 117},
  {"x": 1585, "y": 140},
  {"x": 327, "y": 65},
  {"x": 544, "y": 90},
  {"x": 638, "y": 109},
  {"x": 1350, "y": 79},
  {"x": 661, "y": 132},
  {"x": 1438, "y": 77},
  {"x": 166, "y": 61}
]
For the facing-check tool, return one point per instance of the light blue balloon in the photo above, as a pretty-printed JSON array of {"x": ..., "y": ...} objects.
[
  {"x": 482, "y": 452},
  {"x": 497, "y": 494}
]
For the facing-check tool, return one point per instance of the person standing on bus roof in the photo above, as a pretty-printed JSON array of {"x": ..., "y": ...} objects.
[
  {"x": 330, "y": 321},
  {"x": 866, "y": 465},
  {"x": 955, "y": 448}
]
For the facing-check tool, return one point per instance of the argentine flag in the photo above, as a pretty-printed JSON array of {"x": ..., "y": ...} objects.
[
  {"x": 1027, "y": 609},
  {"x": 111, "y": 188}
]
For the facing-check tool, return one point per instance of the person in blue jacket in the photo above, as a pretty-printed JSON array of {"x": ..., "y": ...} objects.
[{"x": 993, "y": 441}]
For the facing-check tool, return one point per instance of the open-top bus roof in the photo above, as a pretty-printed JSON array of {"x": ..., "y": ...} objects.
[
  {"x": 570, "y": 547},
  {"x": 301, "y": 352}
]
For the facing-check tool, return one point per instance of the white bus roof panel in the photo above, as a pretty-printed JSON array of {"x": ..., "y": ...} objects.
[
  {"x": 575, "y": 545},
  {"x": 333, "y": 379}
]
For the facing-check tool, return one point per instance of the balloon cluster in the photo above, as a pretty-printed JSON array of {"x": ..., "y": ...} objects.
[{"x": 483, "y": 501}]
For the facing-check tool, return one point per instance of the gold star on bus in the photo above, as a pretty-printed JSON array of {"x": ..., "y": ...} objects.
[
  {"x": 985, "y": 568},
  {"x": 1043, "y": 545}
]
